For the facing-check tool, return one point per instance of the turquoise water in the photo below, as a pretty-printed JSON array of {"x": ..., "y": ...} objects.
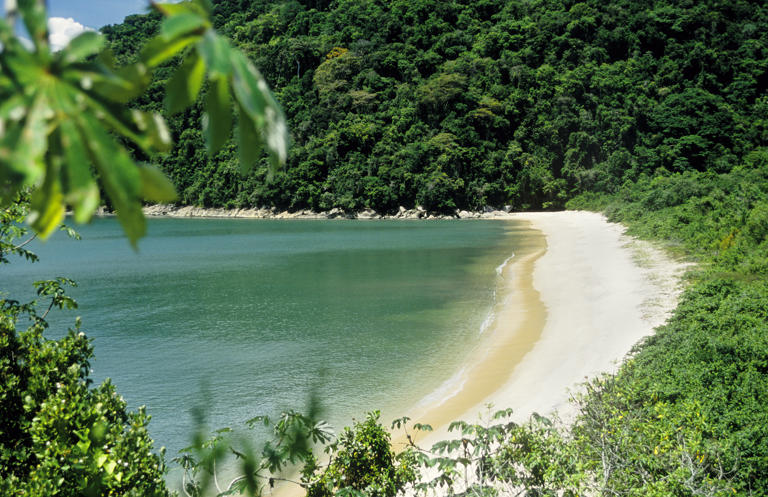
[{"x": 247, "y": 316}]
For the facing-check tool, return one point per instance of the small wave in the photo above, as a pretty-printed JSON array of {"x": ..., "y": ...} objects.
[
  {"x": 491, "y": 316},
  {"x": 449, "y": 388},
  {"x": 489, "y": 319},
  {"x": 501, "y": 266}
]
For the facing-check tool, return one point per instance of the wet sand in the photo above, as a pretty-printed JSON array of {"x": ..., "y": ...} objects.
[
  {"x": 575, "y": 302},
  {"x": 572, "y": 302}
]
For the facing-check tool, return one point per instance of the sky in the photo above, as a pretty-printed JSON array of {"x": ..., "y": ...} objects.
[
  {"x": 69, "y": 18},
  {"x": 96, "y": 13}
]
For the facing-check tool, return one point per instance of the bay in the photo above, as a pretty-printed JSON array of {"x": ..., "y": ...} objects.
[{"x": 246, "y": 317}]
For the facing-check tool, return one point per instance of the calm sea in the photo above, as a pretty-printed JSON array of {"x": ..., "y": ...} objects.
[{"x": 246, "y": 317}]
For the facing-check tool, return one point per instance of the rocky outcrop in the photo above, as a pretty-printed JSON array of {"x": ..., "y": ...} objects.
[{"x": 165, "y": 210}]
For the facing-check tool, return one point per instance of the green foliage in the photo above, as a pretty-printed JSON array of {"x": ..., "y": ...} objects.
[
  {"x": 62, "y": 111},
  {"x": 687, "y": 410},
  {"x": 545, "y": 100},
  {"x": 58, "y": 434},
  {"x": 638, "y": 443},
  {"x": 290, "y": 441},
  {"x": 363, "y": 463},
  {"x": 361, "y": 460}
]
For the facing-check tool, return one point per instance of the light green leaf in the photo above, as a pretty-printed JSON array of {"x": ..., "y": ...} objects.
[
  {"x": 187, "y": 7},
  {"x": 248, "y": 141},
  {"x": 83, "y": 46},
  {"x": 182, "y": 24},
  {"x": 81, "y": 191},
  {"x": 182, "y": 89},
  {"x": 216, "y": 52},
  {"x": 253, "y": 95},
  {"x": 46, "y": 206},
  {"x": 158, "y": 50},
  {"x": 36, "y": 21},
  {"x": 217, "y": 122},
  {"x": 84, "y": 445},
  {"x": 107, "y": 58},
  {"x": 100, "y": 460},
  {"x": 147, "y": 130},
  {"x": 152, "y": 130},
  {"x": 206, "y": 5},
  {"x": 27, "y": 150},
  {"x": 121, "y": 85},
  {"x": 119, "y": 176},
  {"x": 117, "y": 117},
  {"x": 155, "y": 186},
  {"x": 109, "y": 466}
]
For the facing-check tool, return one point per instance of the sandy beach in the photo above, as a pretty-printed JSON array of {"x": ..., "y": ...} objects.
[
  {"x": 571, "y": 303},
  {"x": 571, "y": 307}
]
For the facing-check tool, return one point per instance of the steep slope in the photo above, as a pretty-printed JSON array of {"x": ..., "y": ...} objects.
[{"x": 464, "y": 104}]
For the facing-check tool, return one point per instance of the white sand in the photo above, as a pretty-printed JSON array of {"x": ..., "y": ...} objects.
[{"x": 603, "y": 292}]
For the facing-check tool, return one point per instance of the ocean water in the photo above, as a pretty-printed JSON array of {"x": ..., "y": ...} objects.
[{"x": 246, "y": 317}]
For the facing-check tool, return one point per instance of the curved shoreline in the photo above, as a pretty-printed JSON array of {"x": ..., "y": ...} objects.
[
  {"x": 518, "y": 320},
  {"x": 575, "y": 303},
  {"x": 601, "y": 291}
]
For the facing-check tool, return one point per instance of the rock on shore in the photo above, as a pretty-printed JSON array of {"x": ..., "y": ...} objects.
[{"x": 167, "y": 210}]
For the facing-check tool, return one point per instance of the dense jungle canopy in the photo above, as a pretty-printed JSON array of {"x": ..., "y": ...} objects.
[{"x": 459, "y": 104}]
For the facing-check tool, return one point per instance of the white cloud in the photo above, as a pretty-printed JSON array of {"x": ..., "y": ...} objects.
[{"x": 62, "y": 30}]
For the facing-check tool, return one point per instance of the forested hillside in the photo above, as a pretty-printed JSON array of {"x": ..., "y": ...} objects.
[
  {"x": 466, "y": 104},
  {"x": 655, "y": 113}
]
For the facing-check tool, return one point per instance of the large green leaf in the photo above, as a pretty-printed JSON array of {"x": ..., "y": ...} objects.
[
  {"x": 153, "y": 132},
  {"x": 247, "y": 140},
  {"x": 217, "y": 123},
  {"x": 206, "y": 5},
  {"x": 68, "y": 151},
  {"x": 253, "y": 95},
  {"x": 216, "y": 52},
  {"x": 36, "y": 21},
  {"x": 46, "y": 207},
  {"x": 155, "y": 186},
  {"x": 80, "y": 189},
  {"x": 119, "y": 176},
  {"x": 83, "y": 46},
  {"x": 182, "y": 89},
  {"x": 158, "y": 50},
  {"x": 25, "y": 152},
  {"x": 24, "y": 68},
  {"x": 186, "y": 7},
  {"x": 147, "y": 130},
  {"x": 118, "y": 85},
  {"x": 183, "y": 24}
]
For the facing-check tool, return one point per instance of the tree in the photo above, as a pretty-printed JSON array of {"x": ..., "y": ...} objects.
[{"x": 58, "y": 434}]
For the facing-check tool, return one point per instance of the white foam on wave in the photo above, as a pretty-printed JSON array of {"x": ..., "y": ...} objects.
[
  {"x": 449, "y": 388},
  {"x": 453, "y": 385},
  {"x": 491, "y": 316},
  {"x": 500, "y": 267}
]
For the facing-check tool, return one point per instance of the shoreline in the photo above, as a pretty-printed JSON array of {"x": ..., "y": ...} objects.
[
  {"x": 518, "y": 318},
  {"x": 572, "y": 302},
  {"x": 168, "y": 210},
  {"x": 601, "y": 292}
]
